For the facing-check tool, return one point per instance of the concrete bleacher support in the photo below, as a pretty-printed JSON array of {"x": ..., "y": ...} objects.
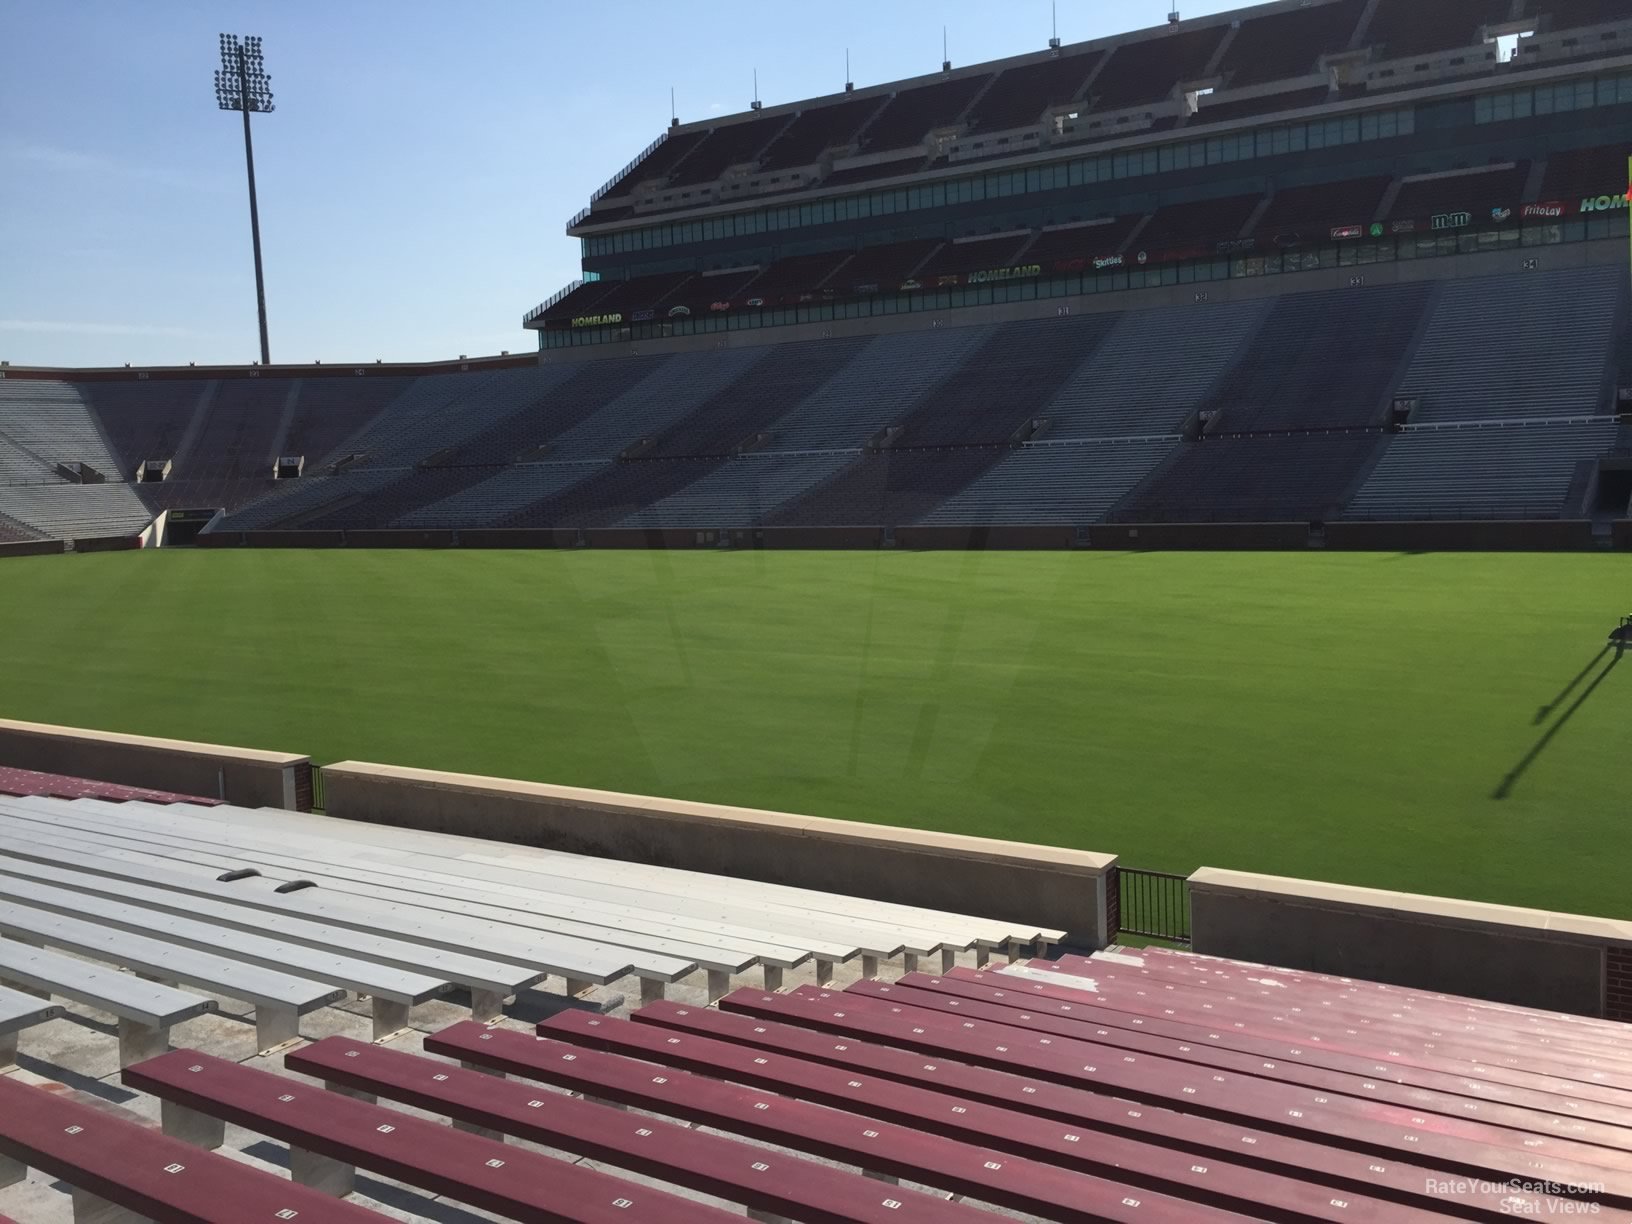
[
  {"x": 247, "y": 777},
  {"x": 1531, "y": 958},
  {"x": 1051, "y": 886}
]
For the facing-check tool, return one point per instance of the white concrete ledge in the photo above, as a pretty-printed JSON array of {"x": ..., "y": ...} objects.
[{"x": 1051, "y": 888}]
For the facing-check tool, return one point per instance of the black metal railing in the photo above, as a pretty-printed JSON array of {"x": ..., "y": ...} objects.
[
  {"x": 1154, "y": 904},
  {"x": 317, "y": 789}
]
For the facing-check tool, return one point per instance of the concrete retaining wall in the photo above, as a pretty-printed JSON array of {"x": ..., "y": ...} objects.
[
  {"x": 1533, "y": 958},
  {"x": 399, "y": 539},
  {"x": 245, "y": 776},
  {"x": 1061, "y": 889},
  {"x": 1540, "y": 536},
  {"x": 32, "y": 548},
  {"x": 98, "y": 544},
  {"x": 1247, "y": 536},
  {"x": 517, "y": 537},
  {"x": 1623, "y": 534},
  {"x": 979, "y": 538}
]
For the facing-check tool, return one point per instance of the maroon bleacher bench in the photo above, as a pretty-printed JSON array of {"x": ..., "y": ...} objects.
[
  {"x": 331, "y": 1135},
  {"x": 880, "y": 1147},
  {"x": 1352, "y": 1176},
  {"x": 711, "y": 1164},
  {"x": 107, "y": 1159}
]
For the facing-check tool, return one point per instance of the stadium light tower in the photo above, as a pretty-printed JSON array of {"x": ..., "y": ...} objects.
[{"x": 241, "y": 84}]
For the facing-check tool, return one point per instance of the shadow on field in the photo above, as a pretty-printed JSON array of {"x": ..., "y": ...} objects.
[
  {"x": 1541, "y": 714},
  {"x": 1505, "y": 789}
]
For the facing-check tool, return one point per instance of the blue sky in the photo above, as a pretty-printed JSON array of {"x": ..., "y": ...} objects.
[{"x": 416, "y": 176}]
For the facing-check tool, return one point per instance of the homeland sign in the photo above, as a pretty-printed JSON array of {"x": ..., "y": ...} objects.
[
  {"x": 600, "y": 320},
  {"x": 1020, "y": 272},
  {"x": 1603, "y": 203}
]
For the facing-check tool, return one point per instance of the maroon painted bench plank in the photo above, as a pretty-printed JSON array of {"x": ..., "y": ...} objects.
[
  {"x": 1338, "y": 1168},
  {"x": 470, "y": 1169},
  {"x": 1160, "y": 1082},
  {"x": 966, "y": 998},
  {"x": 1581, "y": 1142},
  {"x": 1222, "y": 1183},
  {"x": 710, "y": 1164},
  {"x": 1563, "y": 1025},
  {"x": 1123, "y": 1009},
  {"x": 1199, "y": 1001},
  {"x": 880, "y": 1147},
  {"x": 1485, "y": 1031},
  {"x": 1567, "y": 1077},
  {"x": 145, "y": 1171},
  {"x": 1586, "y": 1034}
]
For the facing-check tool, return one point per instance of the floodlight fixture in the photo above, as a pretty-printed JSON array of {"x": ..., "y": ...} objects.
[{"x": 241, "y": 84}]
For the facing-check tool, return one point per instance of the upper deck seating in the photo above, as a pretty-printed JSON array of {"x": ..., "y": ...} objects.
[
  {"x": 1152, "y": 68},
  {"x": 1020, "y": 95},
  {"x": 1484, "y": 194},
  {"x": 975, "y": 254},
  {"x": 797, "y": 277},
  {"x": 884, "y": 267},
  {"x": 1570, "y": 14},
  {"x": 909, "y": 116},
  {"x": 1579, "y": 174},
  {"x": 1403, "y": 28},
  {"x": 727, "y": 145},
  {"x": 1309, "y": 214},
  {"x": 658, "y": 162},
  {"x": 1088, "y": 241},
  {"x": 818, "y": 129},
  {"x": 1289, "y": 44},
  {"x": 1202, "y": 225}
]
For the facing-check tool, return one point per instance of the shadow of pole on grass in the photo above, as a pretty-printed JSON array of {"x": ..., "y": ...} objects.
[
  {"x": 1540, "y": 746},
  {"x": 1541, "y": 714}
]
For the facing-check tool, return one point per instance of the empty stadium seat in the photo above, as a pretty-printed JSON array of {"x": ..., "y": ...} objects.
[
  {"x": 1020, "y": 95},
  {"x": 1265, "y": 478},
  {"x": 1404, "y": 28},
  {"x": 1544, "y": 353},
  {"x": 1321, "y": 360},
  {"x": 909, "y": 116},
  {"x": 1289, "y": 44},
  {"x": 1149, "y": 69},
  {"x": 1493, "y": 471}
]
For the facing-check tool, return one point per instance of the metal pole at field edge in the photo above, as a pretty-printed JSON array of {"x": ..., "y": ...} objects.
[{"x": 241, "y": 84}]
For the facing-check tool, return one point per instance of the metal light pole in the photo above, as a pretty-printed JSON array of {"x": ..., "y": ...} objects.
[{"x": 241, "y": 84}]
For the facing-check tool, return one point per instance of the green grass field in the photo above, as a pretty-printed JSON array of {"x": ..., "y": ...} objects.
[{"x": 1345, "y": 717}]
